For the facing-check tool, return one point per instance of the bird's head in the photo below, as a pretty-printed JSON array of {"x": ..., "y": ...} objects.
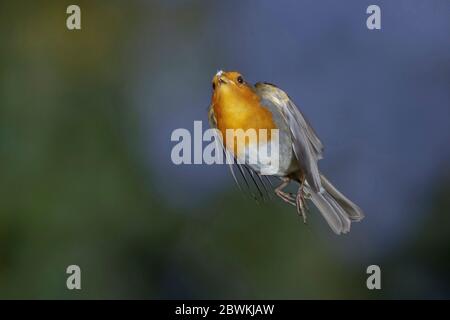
[{"x": 229, "y": 83}]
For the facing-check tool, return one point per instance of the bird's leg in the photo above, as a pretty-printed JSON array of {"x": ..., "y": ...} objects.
[
  {"x": 300, "y": 200},
  {"x": 306, "y": 196},
  {"x": 284, "y": 195}
]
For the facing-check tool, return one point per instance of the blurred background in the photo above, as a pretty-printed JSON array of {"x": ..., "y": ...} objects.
[{"x": 86, "y": 176}]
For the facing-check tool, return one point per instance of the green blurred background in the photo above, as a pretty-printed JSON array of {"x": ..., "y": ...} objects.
[{"x": 86, "y": 178}]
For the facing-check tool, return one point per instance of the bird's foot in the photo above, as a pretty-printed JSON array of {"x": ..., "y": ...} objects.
[
  {"x": 301, "y": 204},
  {"x": 286, "y": 197}
]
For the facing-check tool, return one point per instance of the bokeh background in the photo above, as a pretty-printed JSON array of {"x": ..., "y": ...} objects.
[{"x": 86, "y": 175}]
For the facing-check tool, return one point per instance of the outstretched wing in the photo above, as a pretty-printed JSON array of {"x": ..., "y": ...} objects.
[
  {"x": 305, "y": 143},
  {"x": 257, "y": 186}
]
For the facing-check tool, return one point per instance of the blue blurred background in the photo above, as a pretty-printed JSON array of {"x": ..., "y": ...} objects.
[{"x": 85, "y": 124}]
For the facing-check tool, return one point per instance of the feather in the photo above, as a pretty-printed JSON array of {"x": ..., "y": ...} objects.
[{"x": 305, "y": 143}]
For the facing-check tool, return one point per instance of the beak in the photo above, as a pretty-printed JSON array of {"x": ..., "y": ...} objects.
[
  {"x": 219, "y": 73},
  {"x": 221, "y": 77}
]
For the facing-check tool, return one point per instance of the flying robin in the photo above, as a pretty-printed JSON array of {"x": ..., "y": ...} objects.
[{"x": 236, "y": 104}]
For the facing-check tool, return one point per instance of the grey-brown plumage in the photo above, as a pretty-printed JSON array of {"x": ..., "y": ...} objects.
[
  {"x": 337, "y": 210},
  {"x": 305, "y": 143}
]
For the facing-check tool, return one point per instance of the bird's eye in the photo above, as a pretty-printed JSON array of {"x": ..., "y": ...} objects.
[
  {"x": 240, "y": 80},
  {"x": 214, "y": 86}
]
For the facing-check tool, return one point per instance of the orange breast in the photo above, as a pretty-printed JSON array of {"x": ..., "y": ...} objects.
[{"x": 244, "y": 111}]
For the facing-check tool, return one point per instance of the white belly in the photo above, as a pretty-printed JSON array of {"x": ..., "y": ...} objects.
[{"x": 271, "y": 158}]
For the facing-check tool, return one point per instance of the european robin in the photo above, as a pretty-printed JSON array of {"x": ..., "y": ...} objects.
[{"x": 236, "y": 104}]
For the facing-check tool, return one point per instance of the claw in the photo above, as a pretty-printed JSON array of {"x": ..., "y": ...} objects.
[{"x": 285, "y": 197}]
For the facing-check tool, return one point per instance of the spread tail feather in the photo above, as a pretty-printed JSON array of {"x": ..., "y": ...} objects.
[{"x": 337, "y": 209}]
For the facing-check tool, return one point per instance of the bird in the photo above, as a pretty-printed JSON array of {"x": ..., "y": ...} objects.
[{"x": 239, "y": 105}]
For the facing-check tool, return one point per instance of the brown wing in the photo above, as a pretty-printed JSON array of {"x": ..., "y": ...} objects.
[{"x": 305, "y": 143}]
